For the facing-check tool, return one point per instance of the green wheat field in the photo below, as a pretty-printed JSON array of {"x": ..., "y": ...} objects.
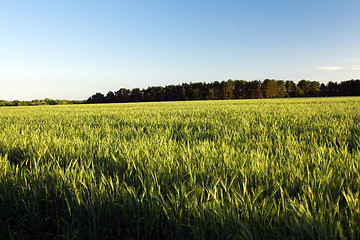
[{"x": 232, "y": 169}]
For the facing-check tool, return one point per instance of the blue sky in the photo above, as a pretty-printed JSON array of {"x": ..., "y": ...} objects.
[{"x": 73, "y": 49}]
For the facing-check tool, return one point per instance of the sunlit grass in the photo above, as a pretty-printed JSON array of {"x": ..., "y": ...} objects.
[{"x": 248, "y": 169}]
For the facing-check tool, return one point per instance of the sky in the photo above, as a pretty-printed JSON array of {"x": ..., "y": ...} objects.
[{"x": 71, "y": 49}]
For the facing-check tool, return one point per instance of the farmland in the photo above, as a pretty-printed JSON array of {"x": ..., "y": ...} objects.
[{"x": 233, "y": 169}]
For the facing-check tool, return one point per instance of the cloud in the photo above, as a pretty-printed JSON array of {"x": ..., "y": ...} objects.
[
  {"x": 337, "y": 68},
  {"x": 331, "y": 68}
]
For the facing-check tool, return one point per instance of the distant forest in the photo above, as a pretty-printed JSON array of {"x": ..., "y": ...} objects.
[
  {"x": 36, "y": 102},
  {"x": 230, "y": 89}
]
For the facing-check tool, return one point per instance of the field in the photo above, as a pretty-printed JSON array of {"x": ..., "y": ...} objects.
[{"x": 236, "y": 169}]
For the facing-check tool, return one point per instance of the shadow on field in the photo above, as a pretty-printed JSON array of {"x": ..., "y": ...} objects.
[
  {"x": 114, "y": 199},
  {"x": 17, "y": 156},
  {"x": 36, "y": 214},
  {"x": 353, "y": 140}
]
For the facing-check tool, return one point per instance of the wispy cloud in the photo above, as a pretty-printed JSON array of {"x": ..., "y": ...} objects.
[
  {"x": 337, "y": 68},
  {"x": 331, "y": 68}
]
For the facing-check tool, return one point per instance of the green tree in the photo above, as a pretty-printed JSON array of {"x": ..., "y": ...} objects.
[
  {"x": 110, "y": 97},
  {"x": 299, "y": 92},
  {"x": 227, "y": 89},
  {"x": 290, "y": 88},
  {"x": 332, "y": 89},
  {"x": 253, "y": 89},
  {"x": 305, "y": 85},
  {"x": 314, "y": 89},
  {"x": 282, "y": 89},
  {"x": 240, "y": 89},
  {"x": 96, "y": 98},
  {"x": 269, "y": 88},
  {"x": 122, "y": 95}
]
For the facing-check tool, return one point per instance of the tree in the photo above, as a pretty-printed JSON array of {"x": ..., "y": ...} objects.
[
  {"x": 253, "y": 89},
  {"x": 239, "y": 89},
  {"x": 299, "y": 92},
  {"x": 217, "y": 93},
  {"x": 282, "y": 89},
  {"x": 5, "y": 103},
  {"x": 349, "y": 88},
  {"x": 227, "y": 89},
  {"x": 290, "y": 88},
  {"x": 49, "y": 101},
  {"x": 200, "y": 91},
  {"x": 332, "y": 89},
  {"x": 189, "y": 91},
  {"x": 122, "y": 95},
  {"x": 96, "y": 98},
  {"x": 212, "y": 95},
  {"x": 305, "y": 86},
  {"x": 322, "y": 90},
  {"x": 314, "y": 90},
  {"x": 135, "y": 95},
  {"x": 110, "y": 97},
  {"x": 269, "y": 88},
  {"x": 356, "y": 87}
]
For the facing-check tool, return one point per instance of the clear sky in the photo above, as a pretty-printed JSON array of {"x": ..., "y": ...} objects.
[{"x": 71, "y": 49}]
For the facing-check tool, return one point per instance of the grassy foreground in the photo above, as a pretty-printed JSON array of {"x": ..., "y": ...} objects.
[{"x": 237, "y": 169}]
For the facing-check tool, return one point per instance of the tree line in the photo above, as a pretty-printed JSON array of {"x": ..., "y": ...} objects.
[
  {"x": 230, "y": 89},
  {"x": 36, "y": 102}
]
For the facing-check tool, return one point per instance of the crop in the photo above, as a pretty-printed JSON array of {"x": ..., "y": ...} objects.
[{"x": 233, "y": 169}]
